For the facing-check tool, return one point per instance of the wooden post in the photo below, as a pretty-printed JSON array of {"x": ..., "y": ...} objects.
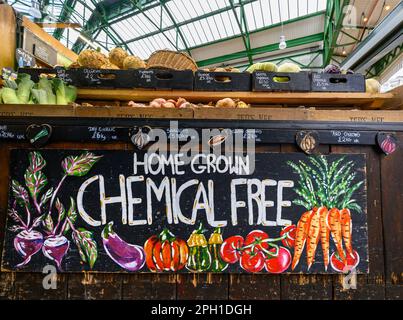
[{"x": 8, "y": 36}]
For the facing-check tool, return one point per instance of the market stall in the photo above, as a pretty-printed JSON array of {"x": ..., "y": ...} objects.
[{"x": 79, "y": 192}]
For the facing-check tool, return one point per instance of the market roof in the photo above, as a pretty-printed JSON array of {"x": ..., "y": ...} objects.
[{"x": 218, "y": 32}]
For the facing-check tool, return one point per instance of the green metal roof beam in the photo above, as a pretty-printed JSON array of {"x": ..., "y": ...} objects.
[
  {"x": 179, "y": 32},
  {"x": 65, "y": 15},
  {"x": 154, "y": 24},
  {"x": 116, "y": 38},
  {"x": 278, "y": 59},
  {"x": 261, "y": 50},
  {"x": 242, "y": 24},
  {"x": 180, "y": 24},
  {"x": 334, "y": 18},
  {"x": 386, "y": 61},
  {"x": 111, "y": 10}
]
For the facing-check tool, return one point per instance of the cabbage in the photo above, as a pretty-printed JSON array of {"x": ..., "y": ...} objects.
[
  {"x": 9, "y": 96},
  {"x": 25, "y": 84}
]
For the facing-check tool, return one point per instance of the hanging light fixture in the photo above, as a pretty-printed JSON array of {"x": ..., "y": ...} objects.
[
  {"x": 35, "y": 11},
  {"x": 283, "y": 44}
]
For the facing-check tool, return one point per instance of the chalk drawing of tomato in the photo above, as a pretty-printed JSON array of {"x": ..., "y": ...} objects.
[{"x": 338, "y": 265}]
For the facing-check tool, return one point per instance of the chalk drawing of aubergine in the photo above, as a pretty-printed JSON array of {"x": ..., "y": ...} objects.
[{"x": 129, "y": 256}]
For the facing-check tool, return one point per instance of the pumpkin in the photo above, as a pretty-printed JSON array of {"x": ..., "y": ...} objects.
[{"x": 165, "y": 252}]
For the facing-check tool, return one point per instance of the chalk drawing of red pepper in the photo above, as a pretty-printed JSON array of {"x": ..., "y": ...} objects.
[{"x": 129, "y": 256}]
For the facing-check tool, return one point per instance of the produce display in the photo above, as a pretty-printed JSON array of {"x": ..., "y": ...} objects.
[
  {"x": 181, "y": 103},
  {"x": 117, "y": 59},
  {"x": 24, "y": 91}
]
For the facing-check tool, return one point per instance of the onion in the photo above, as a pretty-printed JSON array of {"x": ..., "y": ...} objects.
[
  {"x": 169, "y": 105},
  {"x": 226, "y": 103},
  {"x": 180, "y": 102}
]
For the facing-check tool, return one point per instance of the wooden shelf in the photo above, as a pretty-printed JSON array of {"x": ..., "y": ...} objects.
[
  {"x": 203, "y": 113},
  {"x": 364, "y": 100}
]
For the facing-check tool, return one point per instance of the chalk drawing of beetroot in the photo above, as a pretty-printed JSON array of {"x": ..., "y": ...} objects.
[
  {"x": 55, "y": 248},
  {"x": 129, "y": 256},
  {"x": 28, "y": 204},
  {"x": 26, "y": 208},
  {"x": 57, "y": 226},
  {"x": 27, "y": 243}
]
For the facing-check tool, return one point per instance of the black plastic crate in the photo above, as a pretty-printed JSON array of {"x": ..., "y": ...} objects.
[
  {"x": 328, "y": 82},
  {"x": 222, "y": 81},
  {"x": 104, "y": 78},
  {"x": 164, "y": 79},
  {"x": 295, "y": 82},
  {"x": 87, "y": 78},
  {"x": 61, "y": 73}
]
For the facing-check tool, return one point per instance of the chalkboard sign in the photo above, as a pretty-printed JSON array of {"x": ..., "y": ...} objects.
[
  {"x": 68, "y": 76},
  {"x": 281, "y": 81},
  {"x": 104, "y": 78},
  {"x": 322, "y": 82},
  {"x": 24, "y": 58},
  {"x": 222, "y": 81},
  {"x": 39, "y": 48},
  {"x": 124, "y": 211},
  {"x": 15, "y": 133},
  {"x": 164, "y": 79}
]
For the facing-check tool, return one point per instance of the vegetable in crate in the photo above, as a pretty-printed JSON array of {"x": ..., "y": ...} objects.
[
  {"x": 199, "y": 255},
  {"x": 109, "y": 66},
  {"x": 289, "y": 67},
  {"x": 92, "y": 59},
  {"x": 263, "y": 66},
  {"x": 372, "y": 86},
  {"x": 133, "y": 62},
  {"x": 226, "y": 103},
  {"x": 214, "y": 243},
  {"x": 117, "y": 56},
  {"x": 18, "y": 91},
  {"x": 165, "y": 252},
  {"x": 65, "y": 94},
  {"x": 332, "y": 68}
]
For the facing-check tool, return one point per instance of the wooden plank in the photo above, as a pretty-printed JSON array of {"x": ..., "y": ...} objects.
[
  {"x": 295, "y": 98},
  {"x": 254, "y": 287},
  {"x": 263, "y": 114},
  {"x": 394, "y": 291},
  {"x": 256, "y": 114},
  {"x": 202, "y": 286},
  {"x": 7, "y": 291},
  {"x": 43, "y": 35},
  {"x": 130, "y": 112},
  {"x": 7, "y": 36},
  {"x": 99, "y": 286},
  {"x": 302, "y": 287},
  {"x": 397, "y": 101},
  {"x": 29, "y": 286},
  {"x": 58, "y": 25},
  {"x": 369, "y": 286},
  {"x": 8, "y": 110},
  {"x": 149, "y": 287},
  {"x": 392, "y": 208}
]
